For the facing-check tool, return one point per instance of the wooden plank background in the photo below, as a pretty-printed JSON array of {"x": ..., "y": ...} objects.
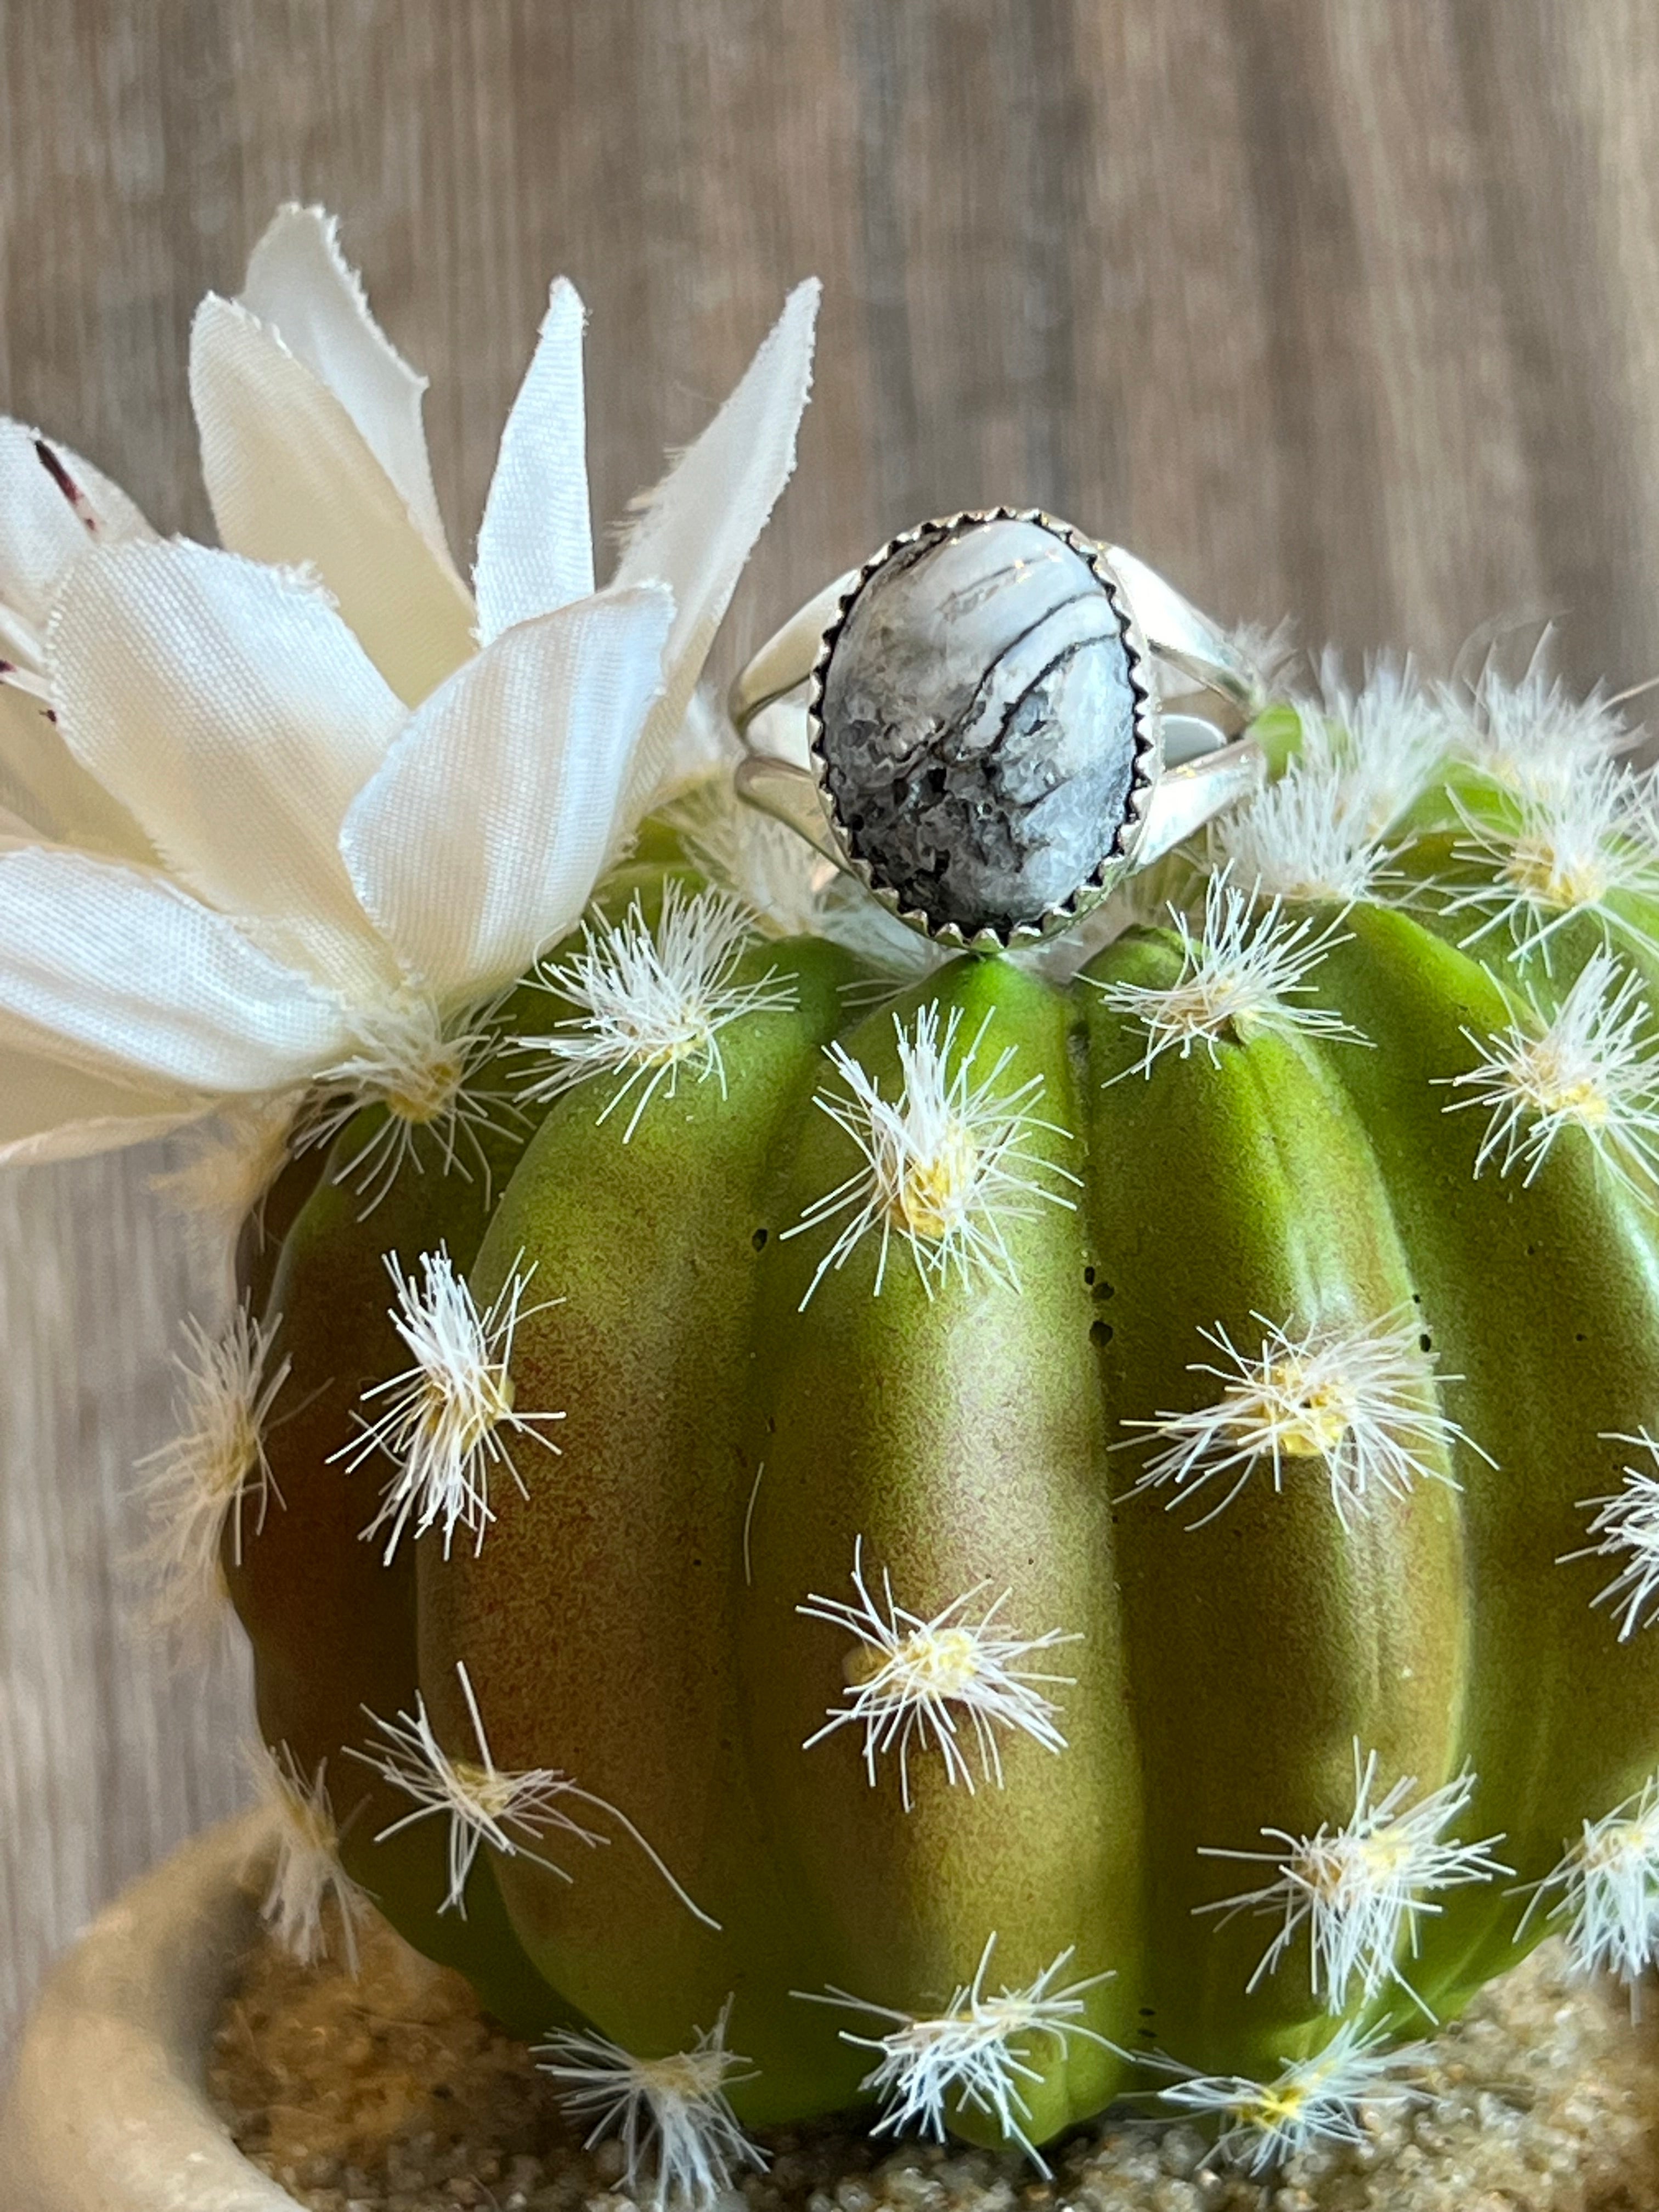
[{"x": 1330, "y": 308}]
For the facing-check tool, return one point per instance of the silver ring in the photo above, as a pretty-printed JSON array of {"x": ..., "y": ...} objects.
[{"x": 1004, "y": 719}]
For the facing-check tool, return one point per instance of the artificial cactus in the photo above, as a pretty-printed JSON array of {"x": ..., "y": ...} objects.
[{"x": 999, "y": 1539}]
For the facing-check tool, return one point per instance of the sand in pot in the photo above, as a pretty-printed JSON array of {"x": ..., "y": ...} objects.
[{"x": 391, "y": 2093}]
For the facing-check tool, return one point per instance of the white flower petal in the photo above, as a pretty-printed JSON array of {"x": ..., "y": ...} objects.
[
  {"x": 54, "y": 507},
  {"x": 50, "y": 1110},
  {"x": 41, "y": 532},
  {"x": 113, "y": 519},
  {"x": 697, "y": 530},
  {"x": 51, "y": 510},
  {"x": 233, "y": 711},
  {"x": 536, "y": 542},
  {"x": 301, "y": 283},
  {"x": 294, "y": 481},
  {"x": 481, "y": 838},
  {"x": 41, "y": 780},
  {"x": 116, "y": 969}
]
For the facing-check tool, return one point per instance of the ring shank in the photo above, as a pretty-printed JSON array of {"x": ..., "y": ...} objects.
[
  {"x": 1225, "y": 689},
  {"x": 785, "y": 661},
  {"x": 1194, "y": 791}
]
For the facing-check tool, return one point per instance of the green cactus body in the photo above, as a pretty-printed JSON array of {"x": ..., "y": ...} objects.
[
  {"x": 1190, "y": 1667},
  {"x": 332, "y": 1622},
  {"x": 332, "y": 1619}
]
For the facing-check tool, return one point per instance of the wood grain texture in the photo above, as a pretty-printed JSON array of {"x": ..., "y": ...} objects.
[{"x": 1335, "y": 310}]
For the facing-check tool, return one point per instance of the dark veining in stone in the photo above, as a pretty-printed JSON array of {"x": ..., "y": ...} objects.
[{"x": 979, "y": 724}]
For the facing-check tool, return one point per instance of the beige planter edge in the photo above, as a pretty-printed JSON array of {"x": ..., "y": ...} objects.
[{"x": 107, "y": 2110}]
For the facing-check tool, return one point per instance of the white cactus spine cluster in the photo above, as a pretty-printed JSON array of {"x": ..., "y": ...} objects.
[
  {"x": 211, "y": 1482},
  {"x": 914, "y": 1683},
  {"x": 945, "y": 1166},
  {"x": 1359, "y": 1887},
  {"x": 974, "y": 2055},
  {"x": 446, "y": 1421},
  {"x": 682, "y": 2142},
  {"x": 1353, "y": 1396}
]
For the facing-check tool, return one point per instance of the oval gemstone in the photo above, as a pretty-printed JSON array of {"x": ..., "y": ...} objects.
[{"x": 979, "y": 729}]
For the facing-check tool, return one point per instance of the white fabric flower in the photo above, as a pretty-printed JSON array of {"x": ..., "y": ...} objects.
[
  {"x": 335, "y": 890},
  {"x": 348, "y": 826},
  {"x": 313, "y": 453}
]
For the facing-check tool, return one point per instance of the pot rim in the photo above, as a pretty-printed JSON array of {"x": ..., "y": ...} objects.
[{"x": 108, "y": 2109}]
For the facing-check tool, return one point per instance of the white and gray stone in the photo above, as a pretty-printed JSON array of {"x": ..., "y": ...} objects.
[{"x": 979, "y": 731}]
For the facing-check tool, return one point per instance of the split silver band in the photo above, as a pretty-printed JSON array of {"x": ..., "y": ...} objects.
[{"x": 995, "y": 703}]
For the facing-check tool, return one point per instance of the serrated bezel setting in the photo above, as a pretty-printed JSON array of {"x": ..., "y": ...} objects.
[{"x": 1147, "y": 730}]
